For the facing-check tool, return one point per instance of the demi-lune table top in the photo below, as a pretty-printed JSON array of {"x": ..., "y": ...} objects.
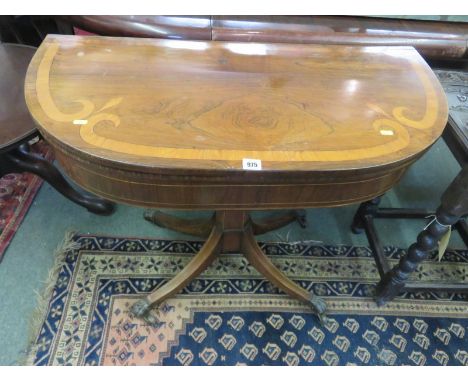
[
  {"x": 203, "y": 104},
  {"x": 166, "y": 106}
]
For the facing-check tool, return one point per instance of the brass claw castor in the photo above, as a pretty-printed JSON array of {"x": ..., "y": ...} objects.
[
  {"x": 319, "y": 306},
  {"x": 142, "y": 309}
]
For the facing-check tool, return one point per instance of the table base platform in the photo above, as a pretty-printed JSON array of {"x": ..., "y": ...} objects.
[{"x": 226, "y": 232}]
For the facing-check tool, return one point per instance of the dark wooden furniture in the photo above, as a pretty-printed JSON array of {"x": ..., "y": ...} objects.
[
  {"x": 31, "y": 29},
  {"x": 454, "y": 206},
  {"x": 165, "y": 123},
  {"x": 17, "y": 129},
  {"x": 432, "y": 39},
  {"x": 450, "y": 214}
]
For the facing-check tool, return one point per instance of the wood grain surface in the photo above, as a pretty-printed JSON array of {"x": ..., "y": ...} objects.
[{"x": 167, "y": 123}]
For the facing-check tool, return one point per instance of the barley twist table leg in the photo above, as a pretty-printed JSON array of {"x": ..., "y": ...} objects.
[{"x": 454, "y": 205}]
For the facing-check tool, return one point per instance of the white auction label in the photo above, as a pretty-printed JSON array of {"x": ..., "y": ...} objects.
[{"x": 251, "y": 164}]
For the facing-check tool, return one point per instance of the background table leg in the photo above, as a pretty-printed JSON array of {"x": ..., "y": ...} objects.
[
  {"x": 367, "y": 208},
  {"x": 454, "y": 205},
  {"x": 21, "y": 160}
]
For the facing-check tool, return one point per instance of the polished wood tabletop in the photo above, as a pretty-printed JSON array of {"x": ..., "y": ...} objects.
[{"x": 168, "y": 123}]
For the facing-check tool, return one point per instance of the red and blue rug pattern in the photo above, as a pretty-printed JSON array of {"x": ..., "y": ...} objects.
[
  {"x": 230, "y": 315},
  {"x": 17, "y": 191}
]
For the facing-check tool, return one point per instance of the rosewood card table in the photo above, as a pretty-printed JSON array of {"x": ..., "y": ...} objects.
[{"x": 232, "y": 127}]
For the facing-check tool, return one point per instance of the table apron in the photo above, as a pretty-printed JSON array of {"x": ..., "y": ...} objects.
[{"x": 114, "y": 185}]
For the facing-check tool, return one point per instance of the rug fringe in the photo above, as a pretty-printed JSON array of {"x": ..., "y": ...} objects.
[{"x": 44, "y": 298}]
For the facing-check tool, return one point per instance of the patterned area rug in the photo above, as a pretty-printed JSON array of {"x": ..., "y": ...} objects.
[
  {"x": 455, "y": 84},
  {"x": 230, "y": 315},
  {"x": 17, "y": 192}
]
